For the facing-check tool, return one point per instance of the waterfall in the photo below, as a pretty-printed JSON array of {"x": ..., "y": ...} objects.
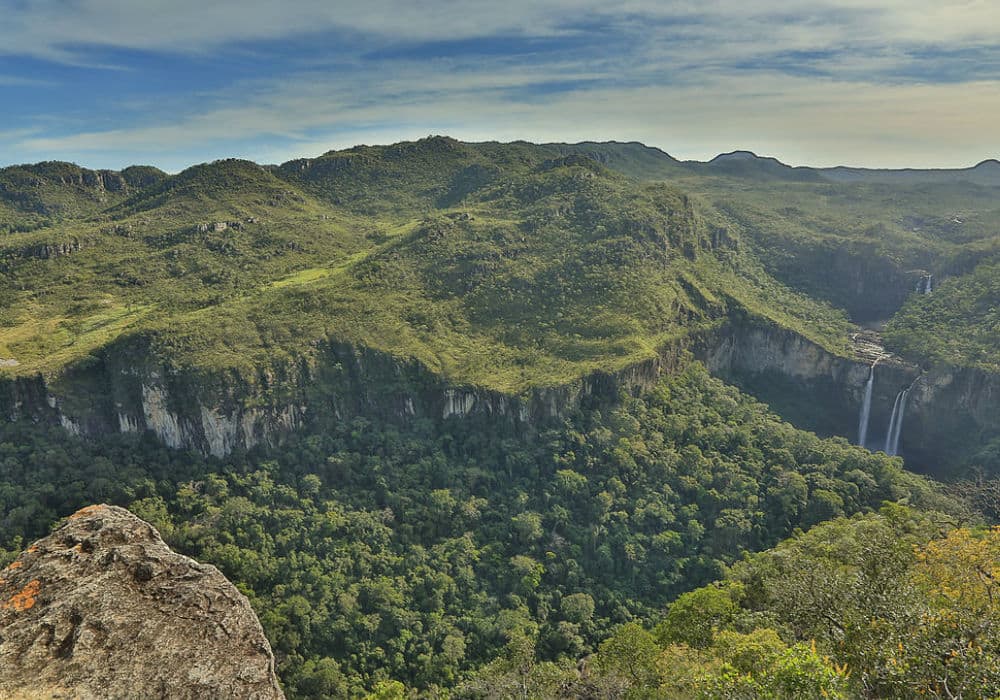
[
  {"x": 928, "y": 288},
  {"x": 899, "y": 423},
  {"x": 866, "y": 407},
  {"x": 896, "y": 423}
]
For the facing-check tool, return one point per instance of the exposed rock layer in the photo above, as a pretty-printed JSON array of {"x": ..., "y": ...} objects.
[
  {"x": 102, "y": 608},
  {"x": 221, "y": 412},
  {"x": 948, "y": 411}
]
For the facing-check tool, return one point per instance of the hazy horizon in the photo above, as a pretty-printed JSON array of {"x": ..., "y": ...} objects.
[
  {"x": 667, "y": 152},
  {"x": 890, "y": 84}
]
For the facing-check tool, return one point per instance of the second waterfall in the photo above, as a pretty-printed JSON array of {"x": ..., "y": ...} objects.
[{"x": 896, "y": 423}]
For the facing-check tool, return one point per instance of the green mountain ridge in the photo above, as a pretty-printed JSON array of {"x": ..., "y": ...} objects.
[
  {"x": 435, "y": 408},
  {"x": 504, "y": 268},
  {"x": 531, "y": 243}
]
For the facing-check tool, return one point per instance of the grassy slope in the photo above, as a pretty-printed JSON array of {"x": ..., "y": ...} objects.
[
  {"x": 809, "y": 232},
  {"x": 959, "y": 323},
  {"x": 502, "y": 265},
  {"x": 145, "y": 260}
]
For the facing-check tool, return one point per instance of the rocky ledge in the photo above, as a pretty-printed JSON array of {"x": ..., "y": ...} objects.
[{"x": 102, "y": 608}]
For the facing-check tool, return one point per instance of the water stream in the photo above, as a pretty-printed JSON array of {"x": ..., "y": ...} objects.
[{"x": 866, "y": 407}]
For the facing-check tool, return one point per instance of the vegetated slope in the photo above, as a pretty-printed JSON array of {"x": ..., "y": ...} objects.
[
  {"x": 862, "y": 247},
  {"x": 862, "y": 240},
  {"x": 375, "y": 553},
  {"x": 959, "y": 323},
  {"x": 897, "y": 604},
  {"x": 494, "y": 265},
  {"x": 34, "y": 196}
]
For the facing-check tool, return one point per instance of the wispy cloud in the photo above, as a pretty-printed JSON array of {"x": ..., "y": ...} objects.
[
  {"x": 879, "y": 83},
  {"x": 63, "y": 30},
  {"x": 22, "y": 81}
]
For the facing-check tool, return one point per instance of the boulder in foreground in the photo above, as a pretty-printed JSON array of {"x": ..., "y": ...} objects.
[{"x": 102, "y": 608}]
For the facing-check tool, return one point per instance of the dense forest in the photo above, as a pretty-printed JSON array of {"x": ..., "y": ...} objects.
[
  {"x": 433, "y": 559},
  {"x": 446, "y": 412}
]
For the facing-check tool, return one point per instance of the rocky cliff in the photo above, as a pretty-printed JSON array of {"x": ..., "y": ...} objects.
[
  {"x": 102, "y": 608},
  {"x": 803, "y": 382},
  {"x": 220, "y": 412},
  {"x": 949, "y": 411}
]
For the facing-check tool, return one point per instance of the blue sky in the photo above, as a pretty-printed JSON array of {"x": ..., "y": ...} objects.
[{"x": 108, "y": 83}]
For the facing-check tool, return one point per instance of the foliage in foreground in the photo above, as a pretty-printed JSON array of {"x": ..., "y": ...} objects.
[{"x": 898, "y": 604}]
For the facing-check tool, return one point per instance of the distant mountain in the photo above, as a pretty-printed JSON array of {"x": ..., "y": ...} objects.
[
  {"x": 632, "y": 158},
  {"x": 986, "y": 173},
  {"x": 746, "y": 164}
]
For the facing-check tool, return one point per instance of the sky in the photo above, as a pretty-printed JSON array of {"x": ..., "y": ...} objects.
[{"x": 109, "y": 83}]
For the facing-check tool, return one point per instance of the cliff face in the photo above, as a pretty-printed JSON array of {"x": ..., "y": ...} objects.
[
  {"x": 102, "y": 608},
  {"x": 803, "y": 382},
  {"x": 222, "y": 412},
  {"x": 218, "y": 413},
  {"x": 948, "y": 410}
]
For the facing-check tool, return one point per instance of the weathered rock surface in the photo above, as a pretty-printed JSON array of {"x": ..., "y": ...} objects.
[{"x": 102, "y": 608}]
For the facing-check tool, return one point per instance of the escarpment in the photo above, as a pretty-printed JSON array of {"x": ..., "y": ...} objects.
[
  {"x": 102, "y": 608},
  {"x": 220, "y": 413},
  {"x": 226, "y": 306},
  {"x": 948, "y": 410}
]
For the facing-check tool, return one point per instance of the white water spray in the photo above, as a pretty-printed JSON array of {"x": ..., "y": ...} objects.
[
  {"x": 895, "y": 424},
  {"x": 866, "y": 406},
  {"x": 899, "y": 422},
  {"x": 929, "y": 287}
]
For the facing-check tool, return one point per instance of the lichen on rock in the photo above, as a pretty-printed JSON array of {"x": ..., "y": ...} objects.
[{"x": 102, "y": 608}]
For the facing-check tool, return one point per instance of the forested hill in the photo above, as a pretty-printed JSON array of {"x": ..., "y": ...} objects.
[
  {"x": 502, "y": 266},
  {"x": 507, "y": 270},
  {"x": 459, "y": 417},
  {"x": 375, "y": 555}
]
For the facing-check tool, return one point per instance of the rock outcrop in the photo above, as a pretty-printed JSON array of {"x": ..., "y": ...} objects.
[
  {"x": 102, "y": 608},
  {"x": 219, "y": 412},
  {"x": 949, "y": 409}
]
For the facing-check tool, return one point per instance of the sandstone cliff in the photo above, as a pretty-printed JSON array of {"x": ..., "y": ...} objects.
[{"x": 102, "y": 608}]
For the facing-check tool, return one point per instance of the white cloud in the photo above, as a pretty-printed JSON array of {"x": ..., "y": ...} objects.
[
  {"x": 801, "y": 120},
  {"x": 51, "y": 28},
  {"x": 694, "y": 78}
]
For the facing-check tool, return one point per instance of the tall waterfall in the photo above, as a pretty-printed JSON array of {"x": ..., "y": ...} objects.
[
  {"x": 896, "y": 423},
  {"x": 899, "y": 422},
  {"x": 928, "y": 288},
  {"x": 866, "y": 407}
]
